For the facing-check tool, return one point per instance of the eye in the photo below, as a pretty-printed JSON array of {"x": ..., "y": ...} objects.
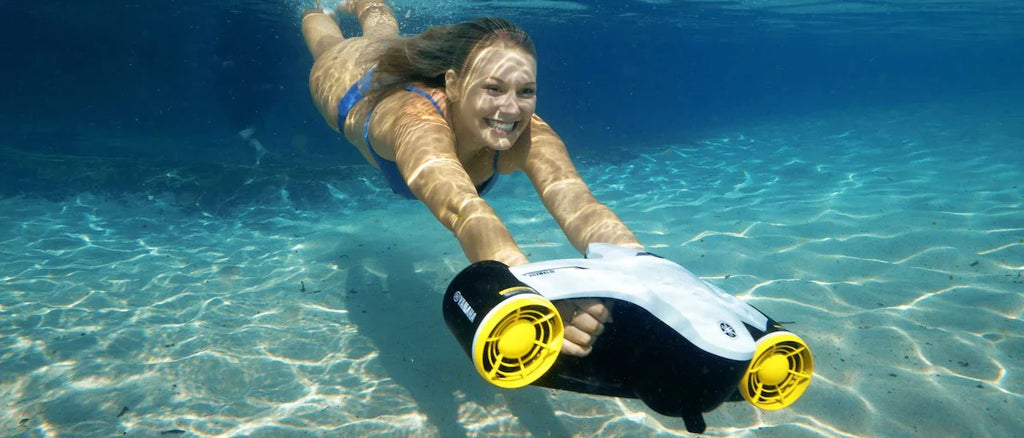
[
  {"x": 493, "y": 89},
  {"x": 527, "y": 92}
]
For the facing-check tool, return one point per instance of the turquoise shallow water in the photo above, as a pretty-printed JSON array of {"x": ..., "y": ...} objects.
[{"x": 892, "y": 238}]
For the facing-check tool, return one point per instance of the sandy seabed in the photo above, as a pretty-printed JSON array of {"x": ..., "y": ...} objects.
[{"x": 891, "y": 240}]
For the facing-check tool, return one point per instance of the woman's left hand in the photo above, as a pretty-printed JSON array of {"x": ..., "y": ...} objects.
[{"x": 584, "y": 321}]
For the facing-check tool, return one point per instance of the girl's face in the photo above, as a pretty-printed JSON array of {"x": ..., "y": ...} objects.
[{"x": 494, "y": 102}]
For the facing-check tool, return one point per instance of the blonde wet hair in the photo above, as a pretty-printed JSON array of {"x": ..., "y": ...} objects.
[{"x": 425, "y": 58}]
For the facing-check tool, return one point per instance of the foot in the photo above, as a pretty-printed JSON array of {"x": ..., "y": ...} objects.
[
  {"x": 347, "y": 7},
  {"x": 317, "y": 8},
  {"x": 355, "y": 7}
]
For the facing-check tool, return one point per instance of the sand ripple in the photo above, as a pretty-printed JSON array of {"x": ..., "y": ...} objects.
[{"x": 892, "y": 241}]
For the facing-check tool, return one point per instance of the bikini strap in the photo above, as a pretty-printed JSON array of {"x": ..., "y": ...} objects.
[{"x": 425, "y": 94}]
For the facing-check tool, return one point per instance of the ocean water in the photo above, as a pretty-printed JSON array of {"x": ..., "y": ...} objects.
[{"x": 187, "y": 250}]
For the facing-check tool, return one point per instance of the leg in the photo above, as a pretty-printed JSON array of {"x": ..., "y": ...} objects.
[
  {"x": 338, "y": 62},
  {"x": 376, "y": 18},
  {"x": 320, "y": 31}
]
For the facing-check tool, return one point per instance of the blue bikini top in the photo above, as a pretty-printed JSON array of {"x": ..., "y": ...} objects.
[{"x": 387, "y": 167}]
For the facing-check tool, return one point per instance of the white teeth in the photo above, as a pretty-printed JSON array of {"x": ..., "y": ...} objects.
[{"x": 499, "y": 125}]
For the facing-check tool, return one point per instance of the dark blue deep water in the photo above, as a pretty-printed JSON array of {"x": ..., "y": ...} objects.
[{"x": 172, "y": 83}]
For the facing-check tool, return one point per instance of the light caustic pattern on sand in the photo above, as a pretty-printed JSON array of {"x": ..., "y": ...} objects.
[{"x": 893, "y": 244}]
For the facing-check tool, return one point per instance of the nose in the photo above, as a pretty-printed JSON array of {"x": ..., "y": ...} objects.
[{"x": 508, "y": 104}]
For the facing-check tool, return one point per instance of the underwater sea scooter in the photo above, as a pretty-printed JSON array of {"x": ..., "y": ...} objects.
[{"x": 679, "y": 344}]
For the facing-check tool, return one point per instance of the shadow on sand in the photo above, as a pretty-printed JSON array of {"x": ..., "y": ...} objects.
[{"x": 401, "y": 315}]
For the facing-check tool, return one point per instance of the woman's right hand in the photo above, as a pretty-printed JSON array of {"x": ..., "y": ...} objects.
[{"x": 584, "y": 320}]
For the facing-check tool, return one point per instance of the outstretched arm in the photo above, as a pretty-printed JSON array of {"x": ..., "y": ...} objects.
[
  {"x": 583, "y": 219},
  {"x": 425, "y": 152}
]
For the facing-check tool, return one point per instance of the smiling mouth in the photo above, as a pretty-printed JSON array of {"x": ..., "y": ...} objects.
[{"x": 502, "y": 126}]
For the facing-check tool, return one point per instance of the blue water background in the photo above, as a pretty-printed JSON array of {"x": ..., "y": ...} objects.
[
  {"x": 853, "y": 167},
  {"x": 150, "y": 85}
]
